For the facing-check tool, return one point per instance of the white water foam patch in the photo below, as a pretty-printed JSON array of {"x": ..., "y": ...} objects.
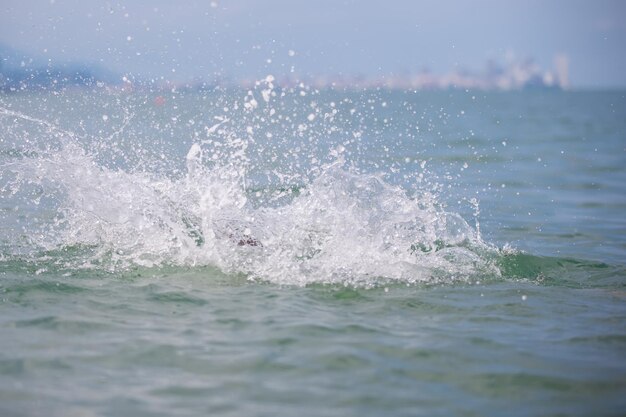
[{"x": 344, "y": 228}]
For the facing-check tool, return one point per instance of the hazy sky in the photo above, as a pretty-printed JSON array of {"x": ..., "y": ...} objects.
[{"x": 188, "y": 39}]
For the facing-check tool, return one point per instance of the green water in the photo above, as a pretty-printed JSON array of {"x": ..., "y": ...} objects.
[
  {"x": 450, "y": 327},
  {"x": 198, "y": 342}
]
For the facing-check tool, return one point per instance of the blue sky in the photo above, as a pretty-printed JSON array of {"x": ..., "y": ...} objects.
[{"x": 189, "y": 39}]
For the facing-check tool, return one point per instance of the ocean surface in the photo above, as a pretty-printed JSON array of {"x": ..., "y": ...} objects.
[{"x": 288, "y": 251}]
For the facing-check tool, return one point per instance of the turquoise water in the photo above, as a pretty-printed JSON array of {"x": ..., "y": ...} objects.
[{"x": 276, "y": 252}]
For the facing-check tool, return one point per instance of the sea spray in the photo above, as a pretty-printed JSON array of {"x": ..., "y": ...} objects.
[{"x": 315, "y": 218}]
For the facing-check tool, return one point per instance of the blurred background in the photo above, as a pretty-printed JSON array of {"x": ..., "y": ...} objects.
[{"x": 484, "y": 44}]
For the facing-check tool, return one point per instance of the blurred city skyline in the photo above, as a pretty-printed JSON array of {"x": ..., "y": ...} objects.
[{"x": 450, "y": 41}]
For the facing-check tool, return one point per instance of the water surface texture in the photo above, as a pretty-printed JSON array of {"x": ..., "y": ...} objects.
[{"x": 286, "y": 251}]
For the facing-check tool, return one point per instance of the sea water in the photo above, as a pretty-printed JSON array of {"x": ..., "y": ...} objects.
[{"x": 281, "y": 251}]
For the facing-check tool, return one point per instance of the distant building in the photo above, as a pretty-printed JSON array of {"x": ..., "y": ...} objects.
[{"x": 561, "y": 67}]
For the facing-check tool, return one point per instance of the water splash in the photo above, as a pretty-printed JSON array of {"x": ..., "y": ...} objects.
[{"x": 338, "y": 225}]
